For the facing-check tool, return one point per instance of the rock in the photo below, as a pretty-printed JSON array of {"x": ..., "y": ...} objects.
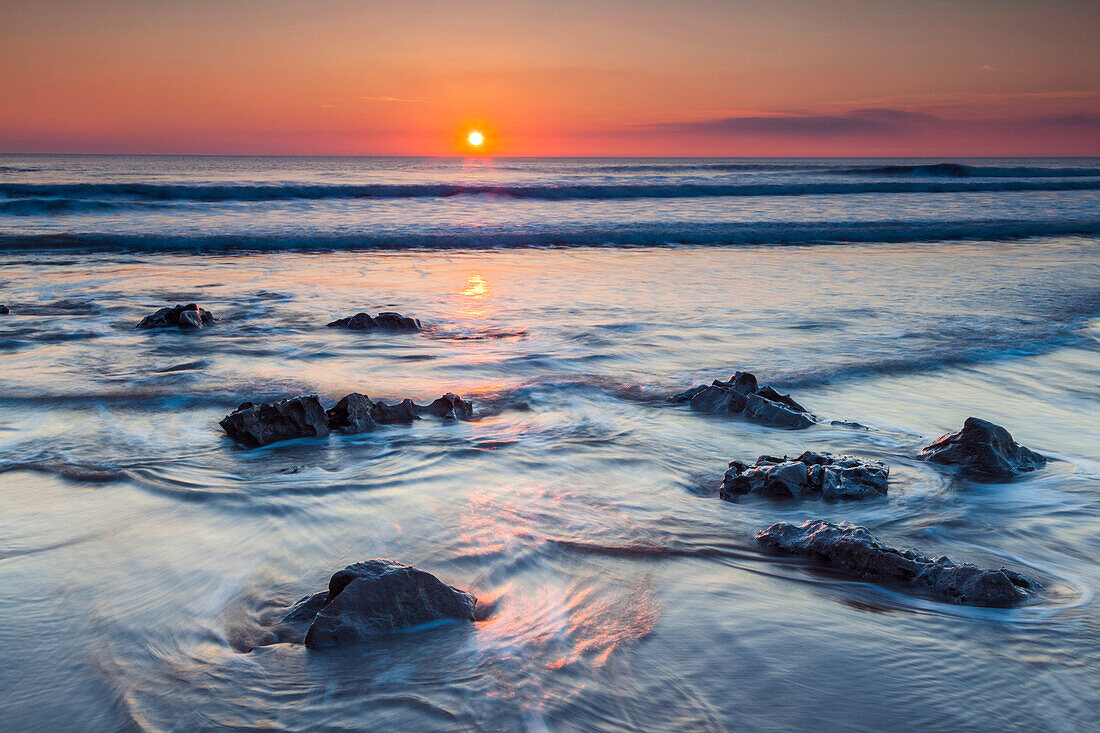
[
  {"x": 855, "y": 550},
  {"x": 385, "y": 321},
  {"x": 742, "y": 395},
  {"x": 304, "y": 417},
  {"x": 810, "y": 474},
  {"x": 375, "y": 597},
  {"x": 983, "y": 449},
  {"x": 178, "y": 316},
  {"x": 4, "y": 310},
  {"x": 397, "y": 322},
  {"x": 404, "y": 412},
  {"x": 352, "y": 414},
  {"x": 775, "y": 414},
  {"x": 451, "y": 406},
  {"x": 255, "y": 425},
  {"x": 785, "y": 399}
]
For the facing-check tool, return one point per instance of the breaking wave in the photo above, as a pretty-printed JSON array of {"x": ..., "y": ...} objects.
[
  {"x": 35, "y": 198},
  {"x": 960, "y": 170},
  {"x": 627, "y": 235}
]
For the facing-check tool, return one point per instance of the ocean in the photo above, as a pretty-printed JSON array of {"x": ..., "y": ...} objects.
[{"x": 143, "y": 554}]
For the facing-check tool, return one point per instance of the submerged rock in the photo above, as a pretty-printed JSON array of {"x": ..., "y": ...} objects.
[
  {"x": 855, "y": 550},
  {"x": 810, "y": 474},
  {"x": 254, "y": 425},
  {"x": 741, "y": 395},
  {"x": 385, "y": 321},
  {"x": 304, "y": 417},
  {"x": 178, "y": 316},
  {"x": 984, "y": 449},
  {"x": 375, "y": 597}
]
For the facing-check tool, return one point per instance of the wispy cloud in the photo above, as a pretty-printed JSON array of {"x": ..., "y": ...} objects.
[
  {"x": 391, "y": 99},
  {"x": 854, "y": 122},
  {"x": 877, "y": 121}
]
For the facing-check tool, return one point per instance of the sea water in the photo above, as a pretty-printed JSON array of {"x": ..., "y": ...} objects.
[{"x": 143, "y": 554}]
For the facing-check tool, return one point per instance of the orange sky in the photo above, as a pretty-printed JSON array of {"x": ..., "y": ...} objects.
[{"x": 794, "y": 77}]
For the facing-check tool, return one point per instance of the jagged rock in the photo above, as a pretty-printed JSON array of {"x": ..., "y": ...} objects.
[
  {"x": 855, "y": 550},
  {"x": 4, "y": 310},
  {"x": 386, "y": 321},
  {"x": 375, "y": 597},
  {"x": 741, "y": 395},
  {"x": 451, "y": 406},
  {"x": 810, "y": 474},
  {"x": 777, "y": 415},
  {"x": 352, "y": 414},
  {"x": 178, "y": 316},
  {"x": 983, "y": 449},
  {"x": 254, "y": 425},
  {"x": 405, "y": 411},
  {"x": 304, "y": 417}
]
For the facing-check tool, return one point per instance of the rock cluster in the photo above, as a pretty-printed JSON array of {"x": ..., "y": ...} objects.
[
  {"x": 255, "y": 425},
  {"x": 855, "y": 550},
  {"x": 375, "y": 597},
  {"x": 178, "y": 316},
  {"x": 983, "y": 449},
  {"x": 741, "y": 395},
  {"x": 810, "y": 474},
  {"x": 383, "y": 321},
  {"x": 356, "y": 413}
]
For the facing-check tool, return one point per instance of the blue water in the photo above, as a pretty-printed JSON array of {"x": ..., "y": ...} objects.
[
  {"x": 272, "y": 203},
  {"x": 142, "y": 554}
]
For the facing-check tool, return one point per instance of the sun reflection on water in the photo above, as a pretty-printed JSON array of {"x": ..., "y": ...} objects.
[{"x": 476, "y": 286}]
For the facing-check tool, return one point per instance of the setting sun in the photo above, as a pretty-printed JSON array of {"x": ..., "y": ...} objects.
[{"x": 475, "y": 139}]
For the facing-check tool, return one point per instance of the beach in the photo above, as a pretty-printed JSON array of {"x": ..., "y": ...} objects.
[{"x": 144, "y": 552}]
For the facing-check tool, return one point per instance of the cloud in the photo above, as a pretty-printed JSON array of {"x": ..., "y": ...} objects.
[
  {"x": 877, "y": 122},
  {"x": 392, "y": 99}
]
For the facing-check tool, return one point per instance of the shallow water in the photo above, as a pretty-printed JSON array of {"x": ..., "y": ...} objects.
[{"x": 143, "y": 554}]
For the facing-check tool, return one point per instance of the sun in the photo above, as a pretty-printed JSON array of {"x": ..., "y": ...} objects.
[{"x": 475, "y": 138}]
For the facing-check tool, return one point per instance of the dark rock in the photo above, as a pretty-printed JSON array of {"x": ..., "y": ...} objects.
[
  {"x": 774, "y": 414},
  {"x": 358, "y": 322},
  {"x": 375, "y": 597},
  {"x": 384, "y": 321},
  {"x": 719, "y": 398},
  {"x": 4, "y": 310},
  {"x": 687, "y": 395},
  {"x": 405, "y": 411},
  {"x": 352, "y": 414},
  {"x": 255, "y": 425},
  {"x": 397, "y": 322},
  {"x": 451, "y": 406},
  {"x": 810, "y": 474},
  {"x": 784, "y": 399},
  {"x": 304, "y": 417},
  {"x": 178, "y": 316},
  {"x": 855, "y": 550},
  {"x": 742, "y": 395},
  {"x": 983, "y": 449}
]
